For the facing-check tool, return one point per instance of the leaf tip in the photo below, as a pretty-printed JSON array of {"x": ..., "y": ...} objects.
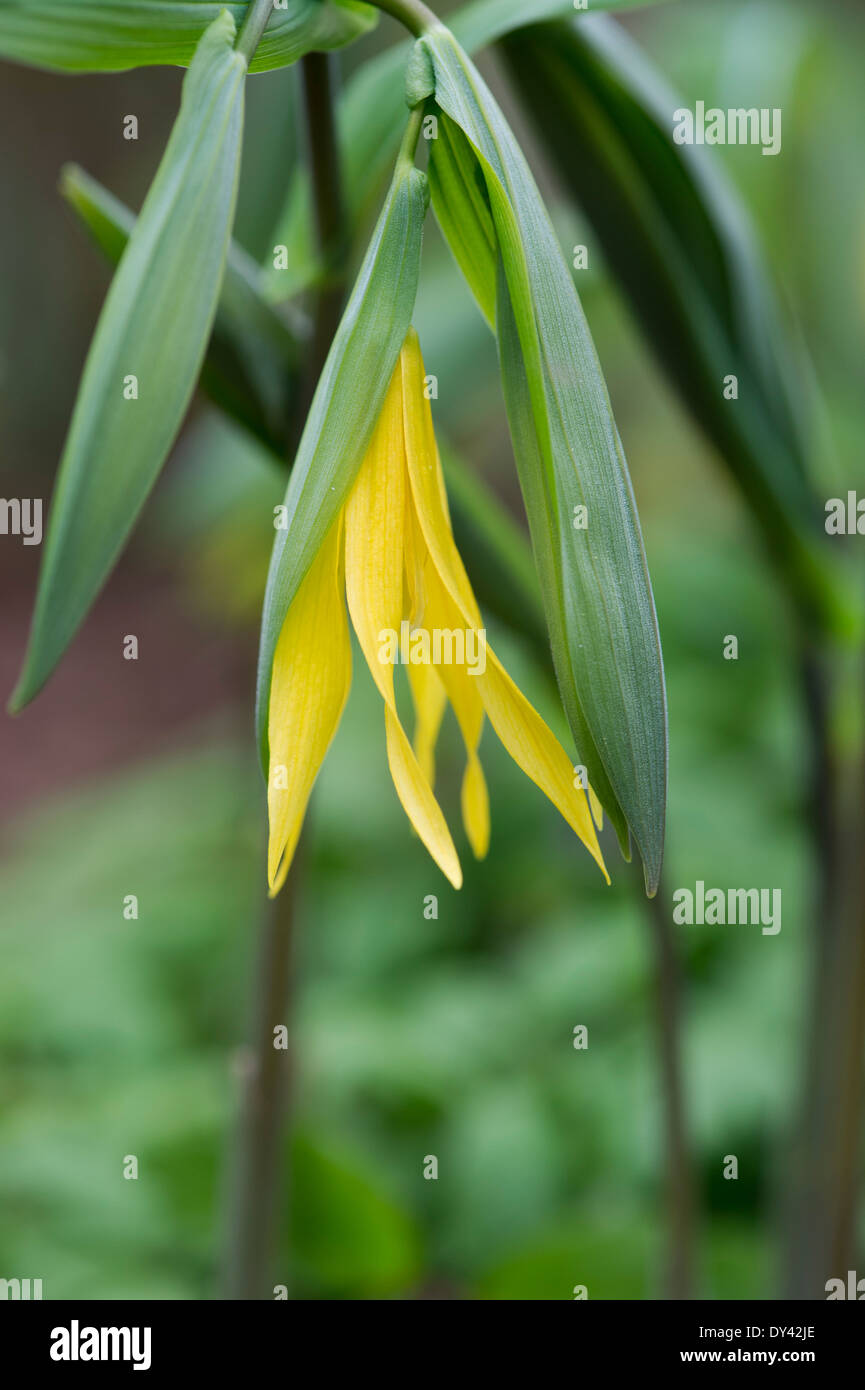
[
  {"x": 21, "y": 695},
  {"x": 652, "y": 870}
]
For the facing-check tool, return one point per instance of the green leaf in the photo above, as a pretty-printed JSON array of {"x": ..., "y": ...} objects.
[
  {"x": 461, "y": 206},
  {"x": 681, "y": 246},
  {"x": 370, "y": 117},
  {"x": 113, "y": 35},
  {"x": 597, "y": 595},
  {"x": 485, "y": 21},
  {"x": 154, "y": 326},
  {"x": 252, "y": 366},
  {"x": 345, "y": 407}
]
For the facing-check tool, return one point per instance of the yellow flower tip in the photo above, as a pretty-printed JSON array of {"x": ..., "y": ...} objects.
[
  {"x": 596, "y": 809},
  {"x": 476, "y": 808},
  {"x": 276, "y": 882},
  {"x": 279, "y": 858},
  {"x": 593, "y": 846}
]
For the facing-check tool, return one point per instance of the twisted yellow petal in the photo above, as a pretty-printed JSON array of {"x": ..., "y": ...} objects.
[
  {"x": 430, "y": 702},
  {"x": 428, "y": 694},
  {"x": 309, "y": 687},
  {"x": 374, "y": 563},
  {"x": 524, "y": 734},
  {"x": 461, "y": 689}
]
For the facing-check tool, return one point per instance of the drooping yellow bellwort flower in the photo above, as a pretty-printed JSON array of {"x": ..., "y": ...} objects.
[{"x": 393, "y": 553}]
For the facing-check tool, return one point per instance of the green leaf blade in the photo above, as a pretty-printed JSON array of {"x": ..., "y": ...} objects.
[
  {"x": 115, "y": 35},
  {"x": 486, "y": 21},
  {"x": 597, "y": 594},
  {"x": 154, "y": 326},
  {"x": 251, "y": 370}
]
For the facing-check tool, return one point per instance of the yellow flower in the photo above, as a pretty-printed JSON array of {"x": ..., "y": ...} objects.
[{"x": 393, "y": 553}]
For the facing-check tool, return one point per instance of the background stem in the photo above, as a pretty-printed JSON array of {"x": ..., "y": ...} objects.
[
  {"x": 679, "y": 1272},
  {"x": 821, "y": 1225},
  {"x": 255, "y": 1205},
  {"x": 319, "y": 89},
  {"x": 256, "y": 1190}
]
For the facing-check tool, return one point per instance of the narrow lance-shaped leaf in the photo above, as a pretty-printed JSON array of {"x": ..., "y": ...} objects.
[
  {"x": 582, "y": 517},
  {"x": 486, "y": 21},
  {"x": 370, "y": 118},
  {"x": 252, "y": 366},
  {"x": 113, "y": 35},
  {"x": 146, "y": 353},
  {"x": 680, "y": 244},
  {"x": 345, "y": 407}
]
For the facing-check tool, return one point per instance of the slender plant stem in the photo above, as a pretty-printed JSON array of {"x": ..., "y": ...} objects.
[
  {"x": 416, "y": 16},
  {"x": 265, "y": 1078},
  {"x": 844, "y": 1176},
  {"x": 411, "y": 136},
  {"x": 318, "y": 84},
  {"x": 824, "y": 1228},
  {"x": 820, "y": 1234},
  {"x": 805, "y": 1237},
  {"x": 255, "y": 1200},
  {"x": 257, "y": 18},
  {"x": 679, "y": 1273}
]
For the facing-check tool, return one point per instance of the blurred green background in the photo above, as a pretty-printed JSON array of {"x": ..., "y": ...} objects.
[{"x": 411, "y": 1037}]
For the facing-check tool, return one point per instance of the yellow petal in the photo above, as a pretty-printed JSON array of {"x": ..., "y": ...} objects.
[
  {"x": 417, "y": 800},
  {"x": 475, "y": 805},
  {"x": 524, "y": 734},
  {"x": 530, "y": 742},
  {"x": 427, "y": 483},
  {"x": 374, "y": 539},
  {"x": 374, "y": 566},
  {"x": 464, "y": 693},
  {"x": 430, "y": 701},
  {"x": 459, "y": 687},
  {"x": 309, "y": 686}
]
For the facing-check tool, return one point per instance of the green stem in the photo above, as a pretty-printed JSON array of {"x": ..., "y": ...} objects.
[
  {"x": 411, "y": 136},
  {"x": 414, "y": 14},
  {"x": 332, "y": 221},
  {"x": 317, "y": 71},
  {"x": 681, "y": 1204},
  {"x": 257, "y": 17},
  {"x": 257, "y": 1169}
]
